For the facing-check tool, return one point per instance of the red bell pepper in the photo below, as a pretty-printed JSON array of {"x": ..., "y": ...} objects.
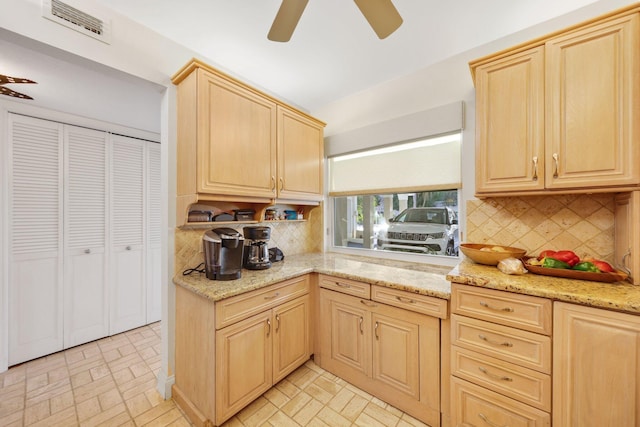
[
  {"x": 566, "y": 256},
  {"x": 603, "y": 266}
]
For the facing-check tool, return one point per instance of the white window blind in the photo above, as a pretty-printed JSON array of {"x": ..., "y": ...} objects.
[
  {"x": 429, "y": 164},
  {"x": 417, "y": 152}
]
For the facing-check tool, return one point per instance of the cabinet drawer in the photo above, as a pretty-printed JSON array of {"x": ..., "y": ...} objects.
[
  {"x": 520, "y": 311},
  {"x": 346, "y": 286},
  {"x": 508, "y": 344},
  {"x": 526, "y": 385},
  {"x": 430, "y": 306},
  {"x": 239, "y": 307},
  {"x": 477, "y": 406}
]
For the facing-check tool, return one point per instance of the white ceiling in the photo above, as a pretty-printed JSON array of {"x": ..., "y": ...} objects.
[{"x": 333, "y": 52}]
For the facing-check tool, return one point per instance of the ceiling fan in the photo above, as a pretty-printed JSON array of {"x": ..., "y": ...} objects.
[{"x": 381, "y": 14}]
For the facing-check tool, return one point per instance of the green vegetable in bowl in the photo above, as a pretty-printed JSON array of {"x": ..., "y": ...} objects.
[
  {"x": 586, "y": 266},
  {"x": 554, "y": 263}
]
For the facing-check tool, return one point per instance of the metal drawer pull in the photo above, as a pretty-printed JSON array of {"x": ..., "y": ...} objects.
[
  {"x": 276, "y": 295},
  {"x": 494, "y": 376},
  {"x": 375, "y": 330},
  {"x": 87, "y": 251},
  {"x": 407, "y": 300},
  {"x": 361, "y": 328},
  {"x": 484, "y": 418},
  {"x": 503, "y": 344},
  {"x": 343, "y": 285},
  {"x": 505, "y": 309}
]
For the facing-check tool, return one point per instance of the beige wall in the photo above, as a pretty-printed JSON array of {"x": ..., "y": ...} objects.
[
  {"x": 582, "y": 223},
  {"x": 292, "y": 238}
]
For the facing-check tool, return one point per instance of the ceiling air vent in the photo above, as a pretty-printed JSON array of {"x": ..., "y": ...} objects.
[{"x": 69, "y": 16}]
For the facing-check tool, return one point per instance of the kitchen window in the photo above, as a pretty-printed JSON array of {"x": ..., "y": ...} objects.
[{"x": 401, "y": 198}]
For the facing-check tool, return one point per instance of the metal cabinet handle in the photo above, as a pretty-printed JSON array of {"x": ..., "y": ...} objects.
[
  {"x": 368, "y": 303},
  {"x": 556, "y": 166},
  {"x": 494, "y": 376},
  {"x": 361, "y": 326},
  {"x": 375, "y": 330},
  {"x": 503, "y": 344},
  {"x": 281, "y": 184},
  {"x": 128, "y": 248},
  {"x": 535, "y": 168},
  {"x": 277, "y": 323},
  {"x": 268, "y": 327},
  {"x": 273, "y": 183},
  {"x": 484, "y": 418},
  {"x": 87, "y": 251},
  {"x": 276, "y": 295},
  {"x": 343, "y": 285},
  {"x": 505, "y": 309},
  {"x": 404, "y": 299}
]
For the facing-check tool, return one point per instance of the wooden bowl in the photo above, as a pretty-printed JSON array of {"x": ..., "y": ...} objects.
[{"x": 473, "y": 251}]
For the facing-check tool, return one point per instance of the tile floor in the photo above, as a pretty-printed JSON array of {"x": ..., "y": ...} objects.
[{"x": 111, "y": 382}]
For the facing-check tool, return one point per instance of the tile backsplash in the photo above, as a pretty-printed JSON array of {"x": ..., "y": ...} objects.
[
  {"x": 292, "y": 237},
  {"x": 583, "y": 223}
]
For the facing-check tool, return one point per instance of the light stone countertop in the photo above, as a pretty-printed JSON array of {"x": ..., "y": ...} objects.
[
  {"x": 620, "y": 296},
  {"x": 430, "y": 280},
  {"x": 422, "y": 279}
]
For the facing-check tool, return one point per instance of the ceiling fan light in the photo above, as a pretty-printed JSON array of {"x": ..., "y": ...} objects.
[
  {"x": 286, "y": 20},
  {"x": 381, "y": 15}
]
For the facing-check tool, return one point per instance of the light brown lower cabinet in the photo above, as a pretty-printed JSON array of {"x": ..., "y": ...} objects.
[
  {"x": 596, "y": 367},
  {"x": 230, "y": 352},
  {"x": 390, "y": 352}
]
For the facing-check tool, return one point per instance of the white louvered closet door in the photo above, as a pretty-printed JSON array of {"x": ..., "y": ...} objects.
[
  {"x": 128, "y": 287},
  {"x": 35, "y": 238},
  {"x": 86, "y": 297},
  {"x": 154, "y": 284}
]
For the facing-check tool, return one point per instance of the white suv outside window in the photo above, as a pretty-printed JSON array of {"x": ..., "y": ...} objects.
[{"x": 432, "y": 230}]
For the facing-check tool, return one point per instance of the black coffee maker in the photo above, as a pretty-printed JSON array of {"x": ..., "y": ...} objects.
[
  {"x": 256, "y": 251},
  {"x": 223, "y": 249}
]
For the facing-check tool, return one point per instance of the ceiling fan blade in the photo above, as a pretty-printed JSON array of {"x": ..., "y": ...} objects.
[
  {"x": 286, "y": 20},
  {"x": 382, "y": 16}
]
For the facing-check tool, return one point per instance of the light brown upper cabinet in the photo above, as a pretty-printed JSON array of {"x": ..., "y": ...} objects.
[
  {"x": 562, "y": 112},
  {"x": 238, "y": 144}
]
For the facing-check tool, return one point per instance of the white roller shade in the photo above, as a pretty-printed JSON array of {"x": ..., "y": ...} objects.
[{"x": 429, "y": 164}]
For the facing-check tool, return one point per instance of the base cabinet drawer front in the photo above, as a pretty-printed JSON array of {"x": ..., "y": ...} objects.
[
  {"x": 478, "y": 407},
  {"x": 410, "y": 301},
  {"x": 345, "y": 286},
  {"x": 526, "y": 385},
  {"x": 505, "y": 343},
  {"x": 231, "y": 310},
  {"x": 520, "y": 311}
]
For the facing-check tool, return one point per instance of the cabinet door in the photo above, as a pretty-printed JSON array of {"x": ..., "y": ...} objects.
[
  {"x": 35, "y": 238},
  {"x": 291, "y": 337},
  {"x": 345, "y": 334},
  {"x": 596, "y": 367},
  {"x": 236, "y": 149},
  {"x": 396, "y": 360},
  {"x": 243, "y": 363},
  {"x": 86, "y": 315},
  {"x": 153, "y": 214},
  {"x": 510, "y": 123},
  {"x": 592, "y": 115},
  {"x": 128, "y": 297},
  {"x": 300, "y": 156}
]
